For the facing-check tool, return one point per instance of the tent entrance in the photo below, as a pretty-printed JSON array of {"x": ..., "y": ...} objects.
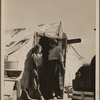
[{"x": 44, "y": 42}]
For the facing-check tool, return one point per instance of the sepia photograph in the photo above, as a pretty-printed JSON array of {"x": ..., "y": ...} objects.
[{"x": 49, "y": 50}]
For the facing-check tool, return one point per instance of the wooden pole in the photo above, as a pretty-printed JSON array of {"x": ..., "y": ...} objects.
[{"x": 71, "y": 41}]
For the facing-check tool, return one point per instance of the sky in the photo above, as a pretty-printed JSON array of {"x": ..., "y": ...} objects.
[{"x": 78, "y": 19}]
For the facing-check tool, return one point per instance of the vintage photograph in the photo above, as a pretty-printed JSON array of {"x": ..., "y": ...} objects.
[{"x": 49, "y": 50}]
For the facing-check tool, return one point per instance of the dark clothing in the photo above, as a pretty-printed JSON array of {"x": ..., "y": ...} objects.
[
  {"x": 55, "y": 81},
  {"x": 30, "y": 78}
]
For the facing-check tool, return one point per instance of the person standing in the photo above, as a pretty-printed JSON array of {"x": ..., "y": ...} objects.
[
  {"x": 55, "y": 72},
  {"x": 30, "y": 78}
]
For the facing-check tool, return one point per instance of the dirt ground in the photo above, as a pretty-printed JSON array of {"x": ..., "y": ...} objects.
[{"x": 13, "y": 97}]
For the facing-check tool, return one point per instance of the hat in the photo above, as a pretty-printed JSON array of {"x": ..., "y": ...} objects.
[{"x": 53, "y": 41}]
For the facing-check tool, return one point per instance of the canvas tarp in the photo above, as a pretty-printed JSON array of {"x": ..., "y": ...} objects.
[
  {"x": 73, "y": 63},
  {"x": 53, "y": 30},
  {"x": 19, "y": 41},
  {"x": 16, "y": 38}
]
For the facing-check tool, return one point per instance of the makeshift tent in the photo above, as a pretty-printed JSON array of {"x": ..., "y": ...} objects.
[
  {"x": 16, "y": 38},
  {"x": 19, "y": 41}
]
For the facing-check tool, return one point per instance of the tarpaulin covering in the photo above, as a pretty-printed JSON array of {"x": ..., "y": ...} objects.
[
  {"x": 53, "y": 30},
  {"x": 19, "y": 41},
  {"x": 16, "y": 38},
  {"x": 73, "y": 63}
]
